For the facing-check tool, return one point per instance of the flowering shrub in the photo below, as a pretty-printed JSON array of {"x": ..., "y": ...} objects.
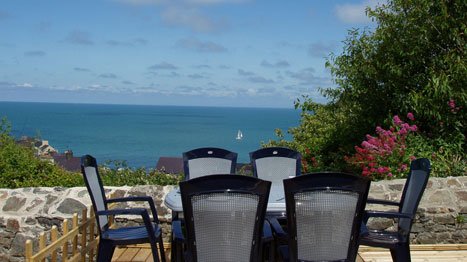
[
  {"x": 384, "y": 156},
  {"x": 310, "y": 162}
]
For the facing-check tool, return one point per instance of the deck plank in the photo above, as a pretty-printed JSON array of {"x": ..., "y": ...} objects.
[
  {"x": 419, "y": 253},
  {"x": 142, "y": 255},
  {"x": 117, "y": 253},
  {"x": 128, "y": 255}
]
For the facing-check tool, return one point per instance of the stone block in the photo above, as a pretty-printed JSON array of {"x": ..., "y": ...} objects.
[
  {"x": 426, "y": 238},
  {"x": 461, "y": 195},
  {"x": 417, "y": 228},
  {"x": 70, "y": 206},
  {"x": 380, "y": 223},
  {"x": 14, "y": 203},
  {"x": 34, "y": 203},
  {"x": 3, "y": 195},
  {"x": 453, "y": 183},
  {"x": 12, "y": 225},
  {"x": 444, "y": 219},
  {"x": 396, "y": 187},
  {"x": 17, "y": 245},
  {"x": 443, "y": 237},
  {"x": 441, "y": 197}
]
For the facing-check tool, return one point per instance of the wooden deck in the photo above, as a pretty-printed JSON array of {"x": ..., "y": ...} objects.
[{"x": 425, "y": 253}]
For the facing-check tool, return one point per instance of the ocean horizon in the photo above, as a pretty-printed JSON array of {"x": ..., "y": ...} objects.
[{"x": 140, "y": 134}]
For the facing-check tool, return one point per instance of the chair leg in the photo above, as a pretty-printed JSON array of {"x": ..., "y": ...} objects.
[
  {"x": 401, "y": 253},
  {"x": 162, "y": 251},
  {"x": 105, "y": 251}
]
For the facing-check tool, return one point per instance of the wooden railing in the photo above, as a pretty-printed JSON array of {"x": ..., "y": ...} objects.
[{"x": 78, "y": 242}]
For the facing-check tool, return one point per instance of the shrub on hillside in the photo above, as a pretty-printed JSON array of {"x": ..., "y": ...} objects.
[{"x": 19, "y": 167}]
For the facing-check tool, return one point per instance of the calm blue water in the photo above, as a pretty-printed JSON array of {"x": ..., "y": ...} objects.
[{"x": 142, "y": 134}]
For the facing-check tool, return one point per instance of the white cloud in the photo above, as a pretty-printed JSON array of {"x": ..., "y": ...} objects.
[
  {"x": 320, "y": 50},
  {"x": 163, "y": 65},
  {"x": 278, "y": 64},
  {"x": 354, "y": 13},
  {"x": 200, "y": 46},
  {"x": 35, "y": 53},
  {"x": 79, "y": 38},
  {"x": 192, "y": 18},
  {"x": 25, "y": 85}
]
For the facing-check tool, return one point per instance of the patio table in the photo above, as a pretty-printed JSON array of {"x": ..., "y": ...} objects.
[{"x": 276, "y": 202}]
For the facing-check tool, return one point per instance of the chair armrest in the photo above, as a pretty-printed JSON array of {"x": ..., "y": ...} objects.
[
  {"x": 113, "y": 212},
  {"x": 382, "y": 202},
  {"x": 267, "y": 232},
  {"x": 138, "y": 199},
  {"x": 276, "y": 227},
  {"x": 177, "y": 233},
  {"x": 134, "y": 211},
  {"x": 388, "y": 214}
]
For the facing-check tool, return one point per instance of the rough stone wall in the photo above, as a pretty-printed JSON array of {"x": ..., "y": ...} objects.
[{"x": 26, "y": 212}]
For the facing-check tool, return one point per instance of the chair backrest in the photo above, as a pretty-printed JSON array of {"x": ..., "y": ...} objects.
[
  {"x": 224, "y": 216},
  {"x": 208, "y": 161},
  {"x": 95, "y": 189},
  {"x": 275, "y": 163},
  {"x": 324, "y": 215},
  {"x": 413, "y": 192}
]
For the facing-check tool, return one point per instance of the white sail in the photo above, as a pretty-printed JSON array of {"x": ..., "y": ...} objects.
[{"x": 239, "y": 135}]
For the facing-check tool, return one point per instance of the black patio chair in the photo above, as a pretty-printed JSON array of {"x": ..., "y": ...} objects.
[
  {"x": 224, "y": 217},
  {"x": 275, "y": 163},
  {"x": 398, "y": 242},
  {"x": 208, "y": 161},
  {"x": 111, "y": 237},
  {"x": 324, "y": 216}
]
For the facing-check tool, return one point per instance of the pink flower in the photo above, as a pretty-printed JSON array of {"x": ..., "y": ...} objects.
[
  {"x": 403, "y": 167},
  {"x": 413, "y": 128},
  {"x": 412, "y": 158},
  {"x": 410, "y": 116},
  {"x": 390, "y": 174},
  {"x": 397, "y": 121},
  {"x": 452, "y": 104}
]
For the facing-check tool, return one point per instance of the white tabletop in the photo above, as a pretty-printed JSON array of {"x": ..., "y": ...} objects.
[{"x": 276, "y": 203}]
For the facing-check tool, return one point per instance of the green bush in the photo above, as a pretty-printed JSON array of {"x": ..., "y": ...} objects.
[
  {"x": 117, "y": 173},
  {"x": 19, "y": 167}
]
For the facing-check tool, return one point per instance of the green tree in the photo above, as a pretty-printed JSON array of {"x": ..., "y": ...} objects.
[{"x": 413, "y": 61}]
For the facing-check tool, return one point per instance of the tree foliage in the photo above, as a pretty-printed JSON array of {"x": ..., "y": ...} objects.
[{"x": 412, "y": 62}]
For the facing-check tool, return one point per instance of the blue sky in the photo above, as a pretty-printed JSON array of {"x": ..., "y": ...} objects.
[{"x": 241, "y": 53}]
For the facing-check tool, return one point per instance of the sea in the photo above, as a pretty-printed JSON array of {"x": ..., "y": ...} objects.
[{"x": 140, "y": 134}]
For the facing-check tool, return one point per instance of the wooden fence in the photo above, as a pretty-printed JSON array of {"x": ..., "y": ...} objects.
[{"x": 78, "y": 242}]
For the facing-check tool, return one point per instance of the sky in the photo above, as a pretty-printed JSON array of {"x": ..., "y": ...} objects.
[{"x": 236, "y": 53}]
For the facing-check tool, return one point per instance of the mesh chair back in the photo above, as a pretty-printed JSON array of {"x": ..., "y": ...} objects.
[
  {"x": 413, "y": 192},
  {"x": 324, "y": 214},
  {"x": 324, "y": 222},
  {"x": 208, "y": 161},
  {"x": 224, "y": 216},
  {"x": 275, "y": 163},
  {"x": 95, "y": 188}
]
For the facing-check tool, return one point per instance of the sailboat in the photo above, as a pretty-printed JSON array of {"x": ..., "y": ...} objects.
[{"x": 239, "y": 135}]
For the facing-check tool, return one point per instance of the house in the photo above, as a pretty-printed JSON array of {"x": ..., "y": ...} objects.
[
  {"x": 170, "y": 165},
  {"x": 67, "y": 161}
]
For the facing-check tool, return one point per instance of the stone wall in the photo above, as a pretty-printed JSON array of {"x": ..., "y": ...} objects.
[{"x": 26, "y": 212}]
